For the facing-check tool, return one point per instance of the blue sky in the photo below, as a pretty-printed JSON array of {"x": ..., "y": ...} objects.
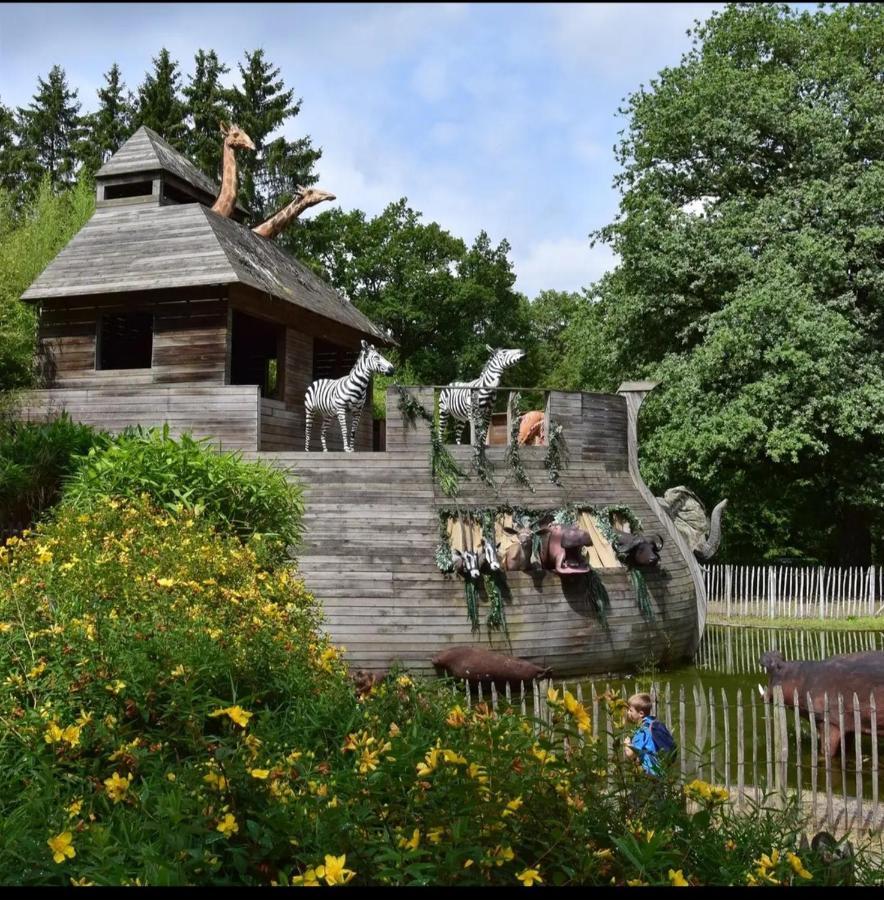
[{"x": 495, "y": 116}]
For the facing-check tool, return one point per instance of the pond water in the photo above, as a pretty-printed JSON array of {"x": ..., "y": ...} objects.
[{"x": 725, "y": 732}]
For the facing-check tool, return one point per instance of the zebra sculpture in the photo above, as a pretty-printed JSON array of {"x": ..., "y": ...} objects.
[
  {"x": 338, "y": 396},
  {"x": 459, "y": 403}
]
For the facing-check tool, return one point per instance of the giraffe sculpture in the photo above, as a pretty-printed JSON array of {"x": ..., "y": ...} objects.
[
  {"x": 234, "y": 139},
  {"x": 304, "y": 199}
]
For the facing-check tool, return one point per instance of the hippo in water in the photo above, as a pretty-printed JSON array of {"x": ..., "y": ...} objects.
[{"x": 859, "y": 673}]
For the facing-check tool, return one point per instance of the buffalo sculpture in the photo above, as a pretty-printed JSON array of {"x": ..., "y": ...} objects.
[
  {"x": 854, "y": 673},
  {"x": 477, "y": 665},
  {"x": 637, "y": 550}
]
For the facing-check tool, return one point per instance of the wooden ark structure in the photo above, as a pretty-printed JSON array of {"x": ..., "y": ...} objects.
[{"x": 160, "y": 310}]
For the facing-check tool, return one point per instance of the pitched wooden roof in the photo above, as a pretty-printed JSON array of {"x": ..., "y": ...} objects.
[
  {"x": 147, "y": 152},
  {"x": 137, "y": 248}
]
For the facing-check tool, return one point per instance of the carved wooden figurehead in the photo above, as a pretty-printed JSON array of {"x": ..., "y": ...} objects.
[
  {"x": 304, "y": 199},
  {"x": 234, "y": 139}
]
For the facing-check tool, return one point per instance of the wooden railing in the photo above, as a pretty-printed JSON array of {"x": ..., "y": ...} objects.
[
  {"x": 761, "y": 751},
  {"x": 795, "y": 591}
]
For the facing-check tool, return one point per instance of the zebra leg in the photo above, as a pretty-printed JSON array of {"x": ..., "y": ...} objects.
[
  {"x": 308, "y": 424},
  {"x": 322, "y": 432},
  {"x": 458, "y": 431},
  {"x": 356, "y": 415},
  {"x": 443, "y": 422},
  {"x": 342, "y": 419}
]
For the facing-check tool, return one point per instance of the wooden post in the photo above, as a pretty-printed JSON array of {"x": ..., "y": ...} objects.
[
  {"x": 828, "y": 760},
  {"x": 699, "y": 733},
  {"x": 727, "y": 739},
  {"x": 843, "y": 749},
  {"x": 754, "y": 742},
  {"x": 741, "y": 754},
  {"x": 768, "y": 745},
  {"x": 873, "y": 716},
  {"x": 858, "y": 775},
  {"x": 814, "y": 756},
  {"x": 712, "y": 747},
  {"x": 682, "y": 733},
  {"x": 796, "y": 708}
]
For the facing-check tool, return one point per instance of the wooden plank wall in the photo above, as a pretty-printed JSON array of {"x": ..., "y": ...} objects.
[
  {"x": 227, "y": 413},
  {"x": 189, "y": 341},
  {"x": 372, "y": 530}
]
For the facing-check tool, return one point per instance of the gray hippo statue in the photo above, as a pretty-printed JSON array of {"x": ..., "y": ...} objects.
[{"x": 854, "y": 673}]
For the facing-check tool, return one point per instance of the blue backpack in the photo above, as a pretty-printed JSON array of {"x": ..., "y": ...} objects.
[{"x": 664, "y": 742}]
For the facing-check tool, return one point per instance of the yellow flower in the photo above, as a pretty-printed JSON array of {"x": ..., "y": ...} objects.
[
  {"x": 166, "y": 582},
  {"x": 75, "y": 807},
  {"x": 37, "y": 670},
  {"x": 333, "y": 871},
  {"x": 512, "y": 806},
  {"x": 404, "y": 681},
  {"x": 84, "y": 718},
  {"x": 179, "y": 671},
  {"x": 543, "y": 755},
  {"x": 115, "y": 687},
  {"x": 228, "y": 826},
  {"x": 43, "y": 557},
  {"x": 71, "y": 734},
  {"x": 117, "y": 787},
  {"x": 453, "y": 757},
  {"x": 798, "y": 866},
  {"x": 456, "y": 717},
  {"x": 500, "y": 855},
  {"x": 435, "y": 835},
  {"x": 308, "y": 879},
  {"x": 411, "y": 844},
  {"x": 259, "y": 773},
  {"x": 53, "y": 734},
  {"x": 677, "y": 879},
  {"x": 236, "y": 713},
  {"x": 82, "y": 882},
  {"x": 552, "y": 696},
  {"x": 394, "y": 730},
  {"x": 636, "y": 882},
  {"x": 61, "y": 848},
  {"x": 431, "y": 761},
  {"x": 607, "y": 853},
  {"x": 368, "y": 761},
  {"x": 4, "y": 627},
  {"x": 529, "y": 876}
]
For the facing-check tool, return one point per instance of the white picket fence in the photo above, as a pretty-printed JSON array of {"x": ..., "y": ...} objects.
[
  {"x": 759, "y": 751},
  {"x": 795, "y": 592}
]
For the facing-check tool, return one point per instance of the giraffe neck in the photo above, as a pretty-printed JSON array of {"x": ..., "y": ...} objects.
[{"x": 226, "y": 201}]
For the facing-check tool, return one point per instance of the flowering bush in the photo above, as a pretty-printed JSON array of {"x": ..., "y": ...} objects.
[{"x": 172, "y": 714}]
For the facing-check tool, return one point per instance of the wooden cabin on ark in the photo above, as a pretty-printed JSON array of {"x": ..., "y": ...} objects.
[{"x": 161, "y": 310}]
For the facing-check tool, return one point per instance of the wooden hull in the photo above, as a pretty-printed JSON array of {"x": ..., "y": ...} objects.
[{"x": 372, "y": 531}]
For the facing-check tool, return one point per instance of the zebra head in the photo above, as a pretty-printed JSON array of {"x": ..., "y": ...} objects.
[
  {"x": 502, "y": 359},
  {"x": 374, "y": 362}
]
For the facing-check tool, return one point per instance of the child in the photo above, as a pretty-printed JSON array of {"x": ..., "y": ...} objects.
[{"x": 651, "y": 740}]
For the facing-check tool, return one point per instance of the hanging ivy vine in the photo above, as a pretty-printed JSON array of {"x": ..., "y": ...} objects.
[
  {"x": 602, "y": 519},
  {"x": 556, "y": 458},
  {"x": 511, "y": 457},
  {"x": 445, "y": 469}
]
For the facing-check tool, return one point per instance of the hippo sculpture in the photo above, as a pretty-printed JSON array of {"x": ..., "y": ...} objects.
[
  {"x": 859, "y": 673},
  {"x": 477, "y": 665},
  {"x": 562, "y": 551},
  {"x": 637, "y": 550}
]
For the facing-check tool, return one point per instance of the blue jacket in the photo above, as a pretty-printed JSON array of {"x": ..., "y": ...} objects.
[{"x": 643, "y": 744}]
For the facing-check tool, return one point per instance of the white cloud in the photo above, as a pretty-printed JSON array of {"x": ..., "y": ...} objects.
[{"x": 562, "y": 264}]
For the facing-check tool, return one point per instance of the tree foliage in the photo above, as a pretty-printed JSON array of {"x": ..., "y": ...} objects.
[
  {"x": 208, "y": 104},
  {"x": 751, "y": 284},
  {"x": 109, "y": 127},
  {"x": 159, "y": 105},
  {"x": 441, "y": 300}
]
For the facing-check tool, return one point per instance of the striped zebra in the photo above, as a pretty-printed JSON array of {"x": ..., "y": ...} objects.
[
  {"x": 458, "y": 404},
  {"x": 338, "y": 396}
]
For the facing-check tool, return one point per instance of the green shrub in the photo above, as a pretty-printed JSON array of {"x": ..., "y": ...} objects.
[
  {"x": 246, "y": 498},
  {"x": 34, "y": 460},
  {"x": 172, "y": 715}
]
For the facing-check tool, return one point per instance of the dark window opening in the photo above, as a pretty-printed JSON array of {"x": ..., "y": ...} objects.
[
  {"x": 257, "y": 349},
  {"x": 176, "y": 195},
  {"x": 125, "y": 341},
  {"x": 132, "y": 189},
  {"x": 332, "y": 361}
]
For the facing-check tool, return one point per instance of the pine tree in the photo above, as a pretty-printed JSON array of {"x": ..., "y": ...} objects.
[
  {"x": 10, "y": 175},
  {"x": 159, "y": 107},
  {"x": 269, "y": 176},
  {"x": 49, "y": 130},
  {"x": 208, "y": 103},
  {"x": 111, "y": 125}
]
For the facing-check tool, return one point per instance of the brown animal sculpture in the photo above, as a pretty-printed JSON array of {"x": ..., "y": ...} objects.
[
  {"x": 859, "y": 673},
  {"x": 304, "y": 199},
  {"x": 562, "y": 551},
  {"x": 520, "y": 556},
  {"x": 636, "y": 550},
  {"x": 234, "y": 139},
  {"x": 475, "y": 664},
  {"x": 531, "y": 428}
]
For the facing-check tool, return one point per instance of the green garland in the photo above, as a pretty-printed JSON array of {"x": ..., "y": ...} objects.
[
  {"x": 556, "y": 457},
  {"x": 471, "y": 592},
  {"x": 442, "y": 463},
  {"x": 598, "y": 596},
  {"x": 642, "y": 594},
  {"x": 511, "y": 455}
]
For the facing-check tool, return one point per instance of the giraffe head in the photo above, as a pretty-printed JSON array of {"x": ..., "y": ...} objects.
[
  {"x": 236, "y": 138},
  {"x": 374, "y": 361},
  {"x": 504, "y": 358}
]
